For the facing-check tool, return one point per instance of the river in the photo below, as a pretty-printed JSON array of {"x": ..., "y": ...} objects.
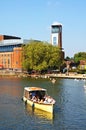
[{"x": 69, "y": 110}]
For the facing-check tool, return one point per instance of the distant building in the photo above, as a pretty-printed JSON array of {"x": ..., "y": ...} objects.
[
  {"x": 10, "y": 52},
  {"x": 83, "y": 64}
]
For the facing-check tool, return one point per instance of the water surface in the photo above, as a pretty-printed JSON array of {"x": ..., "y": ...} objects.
[{"x": 69, "y": 110}]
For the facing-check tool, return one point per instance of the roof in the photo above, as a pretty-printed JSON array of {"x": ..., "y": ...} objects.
[
  {"x": 6, "y": 37},
  {"x": 56, "y": 23},
  {"x": 34, "y": 89}
]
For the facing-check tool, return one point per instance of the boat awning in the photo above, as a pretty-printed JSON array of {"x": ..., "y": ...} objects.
[{"x": 34, "y": 89}]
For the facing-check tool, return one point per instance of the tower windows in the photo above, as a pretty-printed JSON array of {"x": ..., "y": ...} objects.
[
  {"x": 54, "y": 40},
  {"x": 55, "y": 29}
]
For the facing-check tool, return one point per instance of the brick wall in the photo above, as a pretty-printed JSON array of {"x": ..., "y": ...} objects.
[
  {"x": 11, "y": 60},
  {"x": 1, "y": 37},
  {"x": 17, "y": 53}
]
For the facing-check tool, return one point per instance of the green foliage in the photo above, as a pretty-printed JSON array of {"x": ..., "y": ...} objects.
[
  {"x": 79, "y": 56},
  {"x": 67, "y": 58},
  {"x": 41, "y": 56}
]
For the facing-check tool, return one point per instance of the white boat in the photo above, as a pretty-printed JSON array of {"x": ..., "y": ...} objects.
[
  {"x": 37, "y": 98},
  {"x": 53, "y": 81}
]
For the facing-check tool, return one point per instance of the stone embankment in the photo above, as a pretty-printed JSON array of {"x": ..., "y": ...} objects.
[
  {"x": 6, "y": 73},
  {"x": 10, "y": 73}
]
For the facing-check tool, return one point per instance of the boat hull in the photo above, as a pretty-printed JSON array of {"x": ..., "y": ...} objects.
[
  {"x": 41, "y": 106},
  {"x": 39, "y": 113}
]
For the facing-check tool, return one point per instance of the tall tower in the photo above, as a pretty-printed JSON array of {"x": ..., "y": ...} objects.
[{"x": 56, "y": 34}]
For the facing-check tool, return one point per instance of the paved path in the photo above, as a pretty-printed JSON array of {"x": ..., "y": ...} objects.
[{"x": 70, "y": 76}]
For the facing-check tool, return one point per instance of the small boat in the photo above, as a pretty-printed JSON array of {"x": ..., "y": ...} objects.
[
  {"x": 53, "y": 81},
  {"x": 37, "y": 97}
]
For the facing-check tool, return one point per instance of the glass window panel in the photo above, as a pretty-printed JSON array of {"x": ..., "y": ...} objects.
[{"x": 54, "y": 40}]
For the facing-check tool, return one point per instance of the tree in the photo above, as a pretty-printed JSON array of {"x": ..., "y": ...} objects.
[
  {"x": 79, "y": 56},
  {"x": 41, "y": 56},
  {"x": 67, "y": 58}
]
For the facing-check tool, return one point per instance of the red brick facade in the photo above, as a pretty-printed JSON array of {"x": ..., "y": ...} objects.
[
  {"x": 17, "y": 55},
  {"x": 1, "y": 37},
  {"x": 11, "y": 60}
]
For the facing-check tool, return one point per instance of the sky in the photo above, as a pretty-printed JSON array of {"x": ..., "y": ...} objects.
[{"x": 31, "y": 19}]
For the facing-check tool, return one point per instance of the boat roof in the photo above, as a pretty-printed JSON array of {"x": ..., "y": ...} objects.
[{"x": 34, "y": 89}]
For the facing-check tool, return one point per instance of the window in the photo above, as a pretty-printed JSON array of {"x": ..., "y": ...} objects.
[
  {"x": 54, "y": 40},
  {"x": 8, "y": 61},
  {"x": 55, "y": 29},
  {"x": 16, "y": 62}
]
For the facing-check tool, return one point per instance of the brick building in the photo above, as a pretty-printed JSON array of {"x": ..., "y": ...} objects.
[
  {"x": 83, "y": 64},
  {"x": 10, "y": 52}
]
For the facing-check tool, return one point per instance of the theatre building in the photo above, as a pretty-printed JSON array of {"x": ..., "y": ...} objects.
[
  {"x": 10, "y": 52},
  {"x": 11, "y": 48}
]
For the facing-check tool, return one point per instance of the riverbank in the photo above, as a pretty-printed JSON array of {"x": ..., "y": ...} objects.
[
  {"x": 68, "y": 76},
  {"x": 9, "y": 73},
  {"x": 5, "y": 73}
]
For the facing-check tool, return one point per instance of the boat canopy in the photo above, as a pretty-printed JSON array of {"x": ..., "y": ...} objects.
[{"x": 30, "y": 89}]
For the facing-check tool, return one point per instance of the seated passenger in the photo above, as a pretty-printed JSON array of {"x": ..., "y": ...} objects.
[
  {"x": 30, "y": 96},
  {"x": 41, "y": 101},
  {"x": 34, "y": 98}
]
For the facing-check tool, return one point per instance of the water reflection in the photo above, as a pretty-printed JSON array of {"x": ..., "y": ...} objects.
[
  {"x": 10, "y": 87},
  {"x": 39, "y": 113}
]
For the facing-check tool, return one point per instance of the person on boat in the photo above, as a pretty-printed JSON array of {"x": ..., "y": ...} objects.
[
  {"x": 30, "y": 95},
  {"x": 34, "y": 99},
  {"x": 33, "y": 94},
  {"x": 41, "y": 101},
  {"x": 48, "y": 99}
]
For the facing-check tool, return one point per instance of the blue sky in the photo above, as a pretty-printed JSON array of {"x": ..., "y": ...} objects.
[{"x": 31, "y": 19}]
